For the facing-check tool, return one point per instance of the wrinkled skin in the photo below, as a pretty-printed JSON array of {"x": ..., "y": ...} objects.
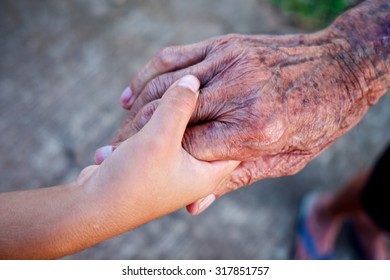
[{"x": 272, "y": 102}]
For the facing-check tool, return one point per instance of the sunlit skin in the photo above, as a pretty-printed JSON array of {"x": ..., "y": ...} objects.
[
  {"x": 272, "y": 102},
  {"x": 150, "y": 175}
]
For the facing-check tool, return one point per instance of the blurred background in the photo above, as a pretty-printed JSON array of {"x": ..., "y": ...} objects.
[{"x": 63, "y": 65}]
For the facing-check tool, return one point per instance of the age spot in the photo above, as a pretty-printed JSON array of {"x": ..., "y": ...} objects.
[{"x": 386, "y": 30}]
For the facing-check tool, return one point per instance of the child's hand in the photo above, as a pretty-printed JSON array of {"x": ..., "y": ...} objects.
[
  {"x": 150, "y": 174},
  {"x": 147, "y": 176}
]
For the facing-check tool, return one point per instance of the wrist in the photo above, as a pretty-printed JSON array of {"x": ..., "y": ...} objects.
[
  {"x": 101, "y": 206},
  {"x": 362, "y": 38},
  {"x": 113, "y": 203}
]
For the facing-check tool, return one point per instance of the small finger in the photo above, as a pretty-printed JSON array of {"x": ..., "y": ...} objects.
[
  {"x": 104, "y": 152},
  {"x": 126, "y": 98},
  {"x": 201, "y": 205}
]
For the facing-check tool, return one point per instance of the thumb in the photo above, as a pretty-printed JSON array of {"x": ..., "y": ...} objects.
[{"x": 175, "y": 109}]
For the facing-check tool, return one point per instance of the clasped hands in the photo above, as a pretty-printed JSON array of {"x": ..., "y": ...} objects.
[
  {"x": 203, "y": 120},
  {"x": 272, "y": 103}
]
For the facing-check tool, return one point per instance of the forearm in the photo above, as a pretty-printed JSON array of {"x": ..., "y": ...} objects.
[
  {"x": 47, "y": 223},
  {"x": 336, "y": 76},
  {"x": 53, "y": 222},
  {"x": 363, "y": 35}
]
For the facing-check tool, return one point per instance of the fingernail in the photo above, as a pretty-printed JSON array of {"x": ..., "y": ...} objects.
[
  {"x": 205, "y": 203},
  {"x": 189, "y": 81},
  {"x": 126, "y": 95},
  {"x": 102, "y": 153}
]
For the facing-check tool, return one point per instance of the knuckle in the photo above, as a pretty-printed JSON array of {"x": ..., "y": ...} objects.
[
  {"x": 265, "y": 128},
  {"x": 154, "y": 89},
  {"x": 284, "y": 164},
  {"x": 187, "y": 143},
  {"x": 251, "y": 174},
  {"x": 145, "y": 114},
  {"x": 160, "y": 54},
  {"x": 295, "y": 163},
  {"x": 230, "y": 186},
  {"x": 165, "y": 57}
]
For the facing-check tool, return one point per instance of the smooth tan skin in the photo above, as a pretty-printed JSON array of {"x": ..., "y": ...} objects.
[
  {"x": 272, "y": 102},
  {"x": 148, "y": 176}
]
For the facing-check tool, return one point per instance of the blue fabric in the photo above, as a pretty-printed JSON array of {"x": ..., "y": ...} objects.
[{"x": 304, "y": 233}]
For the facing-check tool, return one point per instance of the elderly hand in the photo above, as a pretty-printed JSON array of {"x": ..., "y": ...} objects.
[{"x": 273, "y": 102}]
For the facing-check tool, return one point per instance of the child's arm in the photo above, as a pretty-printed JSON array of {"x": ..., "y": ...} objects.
[{"x": 146, "y": 177}]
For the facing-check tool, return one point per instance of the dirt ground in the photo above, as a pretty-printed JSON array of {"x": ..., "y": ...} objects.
[{"x": 63, "y": 65}]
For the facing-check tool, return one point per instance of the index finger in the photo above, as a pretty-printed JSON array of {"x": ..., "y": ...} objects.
[{"x": 166, "y": 60}]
